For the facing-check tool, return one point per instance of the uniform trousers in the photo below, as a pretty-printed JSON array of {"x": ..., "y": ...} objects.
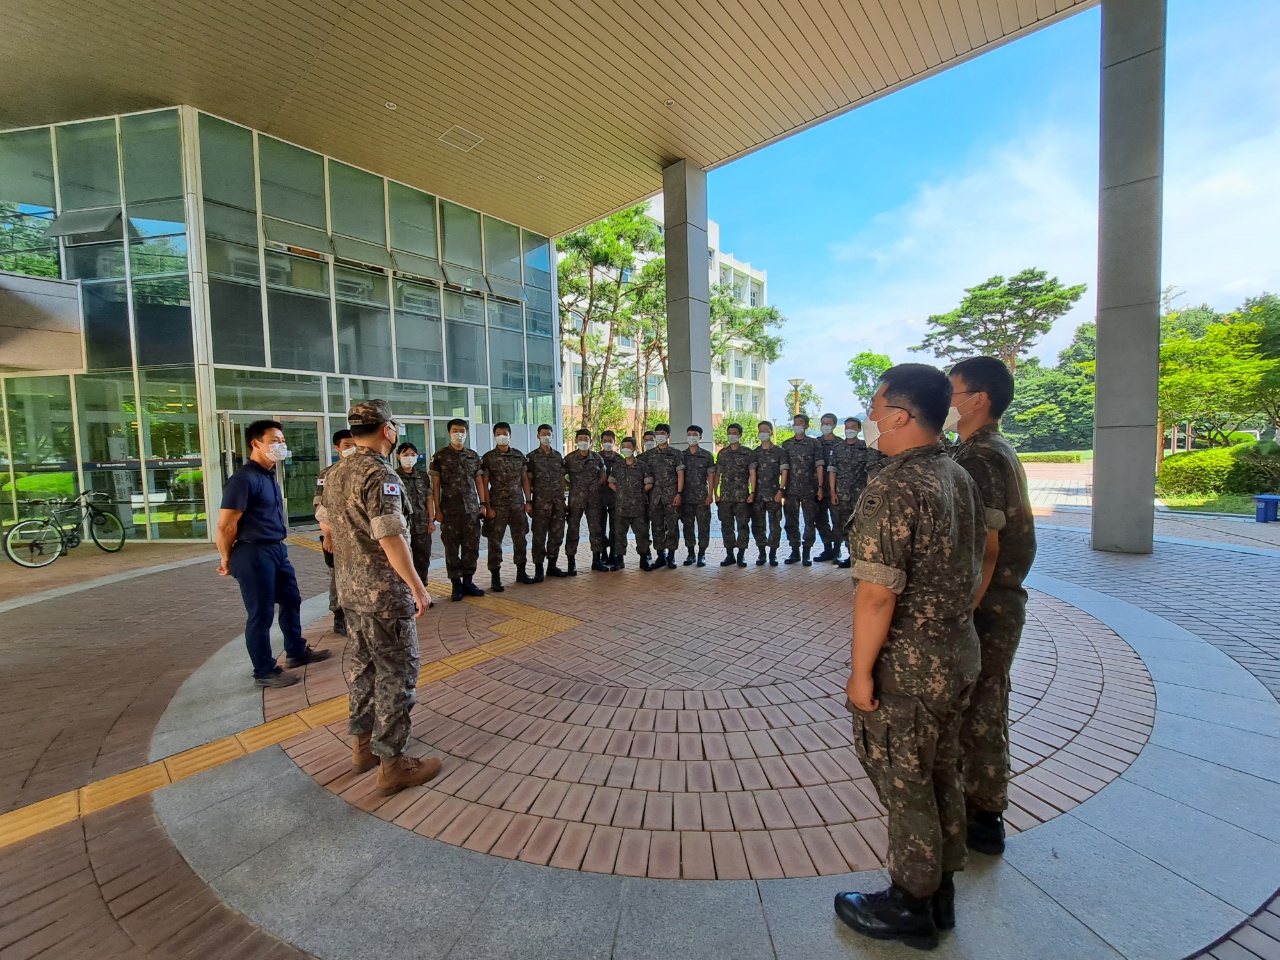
[
  {"x": 734, "y": 520},
  {"x": 664, "y": 523},
  {"x": 382, "y": 674},
  {"x": 507, "y": 517},
  {"x": 548, "y": 527},
  {"x": 696, "y": 519},
  {"x": 825, "y": 520},
  {"x": 984, "y": 737},
  {"x": 766, "y": 522},
  {"x": 573, "y": 527},
  {"x": 267, "y": 580},
  {"x": 797, "y": 504},
  {"x": 460, "y": 534},
  {"x": 608, "y": 520},
  {"x": 420, "y": 548},
  {"x": 636, "y": 525}
]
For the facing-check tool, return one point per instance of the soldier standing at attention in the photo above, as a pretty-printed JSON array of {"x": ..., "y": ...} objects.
[
  {"x": 461, "y": 498},
  {"x": 847, "y": 470},
  {"x": 699, "y": 494},
  {"x": 772, "y": 466},
  {"x": 606, "y": 502},
  {"x": 546, "y": 478},
  {"x": 736, "y": 471},
  {"x": 420, "y": 495},
  {"x": 917, "y": 548},
  {"x": 982, "y": 389},
  {"x": 826, "y": 510},
  {"x": 586, "y": 473},
  {"x": 665, "y": 465},
  {"x": 630, "y": 485},
  {"x": 504, "y": 471},
  {"x": 382, "y": 595},
  {"x": 344, "y": 446},
  {"x": 804, "y": 488}
]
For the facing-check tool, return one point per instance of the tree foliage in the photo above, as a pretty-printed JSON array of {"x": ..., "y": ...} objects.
[
  {"x": 1213, "y": 381},
  {"x": 734, "y": 325},
  {"x": 864, "y": 371}
]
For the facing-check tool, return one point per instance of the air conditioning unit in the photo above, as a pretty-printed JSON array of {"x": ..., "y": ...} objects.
[{"x": 420, "y": 301}]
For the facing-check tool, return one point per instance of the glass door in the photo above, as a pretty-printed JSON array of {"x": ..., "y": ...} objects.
[{"x": 297, "y": 475}]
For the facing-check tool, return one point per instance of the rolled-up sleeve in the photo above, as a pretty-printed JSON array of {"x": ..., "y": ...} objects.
[
  {"x": 881, "y": 545},
  {"x": 384, "y": 501}
]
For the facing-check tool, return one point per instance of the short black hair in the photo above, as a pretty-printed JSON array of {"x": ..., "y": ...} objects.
[
  {"x": 502, "y": 425},
  {"x": 693, "y": 426},
  {"x": 456, "y": 422},
  {"x": 853, "y": 420},
  {"x": 734, "y": 426},
  {"x": 258, "y": 429},
  {"x": 608, "y": 433},
  {"x": 828, "y": 416},
  {"x": 764, "y": 423},
  {"x": 544, "y": 426},
  {"x": 405, "y": 447},
  {"x": 987, "y": 375},
  {"x": 648, "y": 433},
  {"x": 340, "y": 435},
  {"x": 663, "y": 427},
  {"x": 630, "y": 440},
  {"x": 922, "y": 390},
  {"x": 801, "y": 416},
  {"x": 582, "y": 432},
  {"x": 361, "y": 430}
]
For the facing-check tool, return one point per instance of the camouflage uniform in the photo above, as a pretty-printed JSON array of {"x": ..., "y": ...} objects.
[
  {"x": 585, "y": 471},
  {"x": 769, "y": 466},
  {"x": 607, "y": 501},
  {"x": 848, "y": 463},
  {"x": 1002, "y": 484},
  {"x": 734, "y": 470},
  {"x": 362, "y": 504},
  {"x": 826, "y": 513},
  {"x": 457, "y": 470},
  {"x": 918, "y": 530},
  {"x": 694, "y": 509},
  {"x": 664, "y": 465},
  {"x": 416, "y": 485},
  {"x": 503, "y": 468},
  {"x": 317, "y": 502},
  {"x": 546, "y": 474},
  {"x": 805, "y": 454},
  {"x": 627, "y": 480}
]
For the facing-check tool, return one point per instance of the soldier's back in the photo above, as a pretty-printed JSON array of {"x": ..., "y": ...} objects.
[{"x": 989, "y": 458}]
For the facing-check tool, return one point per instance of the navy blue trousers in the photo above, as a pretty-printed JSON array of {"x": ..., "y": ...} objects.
[{"x": 266, "y": 580}]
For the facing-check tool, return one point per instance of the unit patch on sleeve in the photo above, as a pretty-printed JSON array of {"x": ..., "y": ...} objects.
[{"x": 391, "y": 489}]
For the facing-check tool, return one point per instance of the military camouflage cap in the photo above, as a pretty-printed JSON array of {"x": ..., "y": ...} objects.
[{"x": 369, "y": 413}]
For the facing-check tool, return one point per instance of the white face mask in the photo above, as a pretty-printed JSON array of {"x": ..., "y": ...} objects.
[
  {"x": 583, "y": 446},
  {"x": 545, "y": 441},
  {"x": 799, "y": 430},
  {"x": 649, "y": 444},
  {"x": 408, "y": 460},
  {"x": 950, "y": 424},
  {"x": 458, "y": 438},
  {"x": 827, "y": 429},
  {"x": 734, "y": 438},
  {"x": 346, "y": 451},
  {"x": 764, "y": 436},
  {"x": 276, "y": 452},
  {"x": 660, "y": 437},
  {"x": 628, "y": 452},
  {"x": 502, "y": 440},
  {"x": 850, "y": 433},
  {"x": 607, "y": 446},
  {"x": 872, "y": 432},
  {"x": 693, "y": 439}
]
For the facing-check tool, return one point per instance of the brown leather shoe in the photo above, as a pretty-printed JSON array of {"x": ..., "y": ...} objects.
[
  {"x": 400, "y": 772},
  {"x": 363, "y": 759}
]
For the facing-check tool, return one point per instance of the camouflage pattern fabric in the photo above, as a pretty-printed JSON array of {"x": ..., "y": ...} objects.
[
  {"x": 317, "y": 502},
  {"x": 504, "y": 470},
  {"x": 585, "y": 471},
  {"x": 546, "y": 476},
  {"x": 826, "y": 513},
  {"x": 606, "y": 501},
  {"x": 849, "y": 464},
  {"x": 416, "y": 486},
  {"x": 769, "y": 463},
  {"x": 382, "y": 674},
  {"x": 664, "y": 465},
  {"x": 460, "y": 507},
  {"x": 627, "y": 480},
  {"x": 733, "y": 473},
  {"x": 805, "y": 454},
  {"x": 695, "y": 512}
]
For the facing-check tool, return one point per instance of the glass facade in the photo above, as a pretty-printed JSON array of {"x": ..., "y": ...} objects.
[{"x": 313, "y": 284}]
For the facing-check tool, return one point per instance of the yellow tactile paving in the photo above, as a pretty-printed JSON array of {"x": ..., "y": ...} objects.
[
  {"x": 323, "y": 714},
  {"x": 28, "y": 821},
  {"x": 266, "y": 734},
  {"x": 306, "y": 543},
  {"x": 190, "y": 762},
  {"x": 123, "y": 786},
  {"x": 431, "y": 672}
]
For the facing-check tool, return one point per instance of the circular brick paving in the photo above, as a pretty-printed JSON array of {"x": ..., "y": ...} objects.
[{"x": 692, "y": 724}]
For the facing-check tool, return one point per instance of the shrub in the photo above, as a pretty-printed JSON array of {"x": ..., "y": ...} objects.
[
  {"x": 1050, "y": 457},
  {"x": 1246, "y": 468},
  {"x": 43, "y": 486}
]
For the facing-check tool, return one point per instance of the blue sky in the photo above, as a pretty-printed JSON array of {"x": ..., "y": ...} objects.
[{"x": 872, "y": 221}]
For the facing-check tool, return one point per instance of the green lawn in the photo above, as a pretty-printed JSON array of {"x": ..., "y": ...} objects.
[{"x": 1211, "y": 503}]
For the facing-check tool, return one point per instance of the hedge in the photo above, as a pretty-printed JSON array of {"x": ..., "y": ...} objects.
[
  {"x": 1246, "y": 468},
  {"x": 1050, "y": 457}
]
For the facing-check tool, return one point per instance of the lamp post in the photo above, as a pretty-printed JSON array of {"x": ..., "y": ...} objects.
[{"x": 795, "y": 385}]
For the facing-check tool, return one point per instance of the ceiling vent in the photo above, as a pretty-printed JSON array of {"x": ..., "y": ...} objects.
[{"x": 461, "y": 139}]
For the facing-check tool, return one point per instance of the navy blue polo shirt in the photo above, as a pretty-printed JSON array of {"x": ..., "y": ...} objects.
[{"x": 254, "y": 492}]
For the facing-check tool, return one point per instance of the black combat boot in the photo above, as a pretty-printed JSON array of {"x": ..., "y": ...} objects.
[
  {"x": 986, "y": 832},
  {"x": 805, "y": 561},
  {"x": 760, "y": 560},
  {"x": 671, "y": 559},
  {"x": 340, "y": 622},
  {"x": 742, "y": 556},
  {"x": 616, "y": 562},
  {"x": 522, "y": 576},
  {"x": 891, "y": 914},
  {"x": 495, "y": 582},
  {"x": 552, "y": 569},
  {"x": 825, "y": 555},
  {"x": 597, "y": 561},
  {"x": 457, "y": 588},
  {"x": 728, "y": 561},
  {"x": 538, "y": 575},
  {"x": 688, "y": 558},
  {"x": 571, "y": 562},
  {"x": 845, "y": 563},
  {"x": 702, "y": 558},
  {"x": 944, "y": 903},
  {"x": 794, "y": 556},
  {"x": 835, "y": 551},
  {"x": 773, "y": 557},
  {"x": 659, "y": 561},
  {"x": 644, "y": 562},
  {"x": 470, "y": 589}
]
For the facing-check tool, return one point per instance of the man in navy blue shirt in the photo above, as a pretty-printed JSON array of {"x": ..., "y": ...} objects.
[{"x": 251, "y": 532}]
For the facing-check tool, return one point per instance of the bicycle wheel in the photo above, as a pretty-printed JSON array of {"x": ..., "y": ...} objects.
[
  {"x": 107, "y": 531},
  {"x": 34, "y": 543}
]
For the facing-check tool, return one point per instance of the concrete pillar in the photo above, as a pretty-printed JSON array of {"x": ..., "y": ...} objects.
[
  {"x": 1131, "y": 165},
  {"x": 684, "y": 188}
]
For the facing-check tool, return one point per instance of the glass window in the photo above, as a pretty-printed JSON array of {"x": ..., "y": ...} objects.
[
  {"x": 755, "y": 370},
  {"x": 162, "y": 318},
  {"x": 233, "y": 261},
  {"x": 407, "y": 399},
  {"x": 298, "y": 316},
  {"x": 27, "y": 203},
  {"x": 755, "y": 404},
  {"x": 419, "y": 334},
  {"x": 502, "y": 249},
  {"x": 235, "y": 311},
  {"x": 539, "y": 323},
  {"x": 461, "y": 236},
  {"x": 625, "y": 342},
  {"x": 463, "y": 306},
  {"x": 152, "y": 145},
  {"x": 43, "y": 439},
  {"x": 230, "y": 223},
  {"x": 335, "y": 388},
  {"x": 155, "y": 256},
  {"x": 95, "y": 261},
  {"x": 226, "y": 163},
  {"x": 737, "y": 369},
  {"x": 292, "y": 182},
  {"x": 480, "y": 414},
  {"x": 738, "y": 404},
  {"x": 356, "y": 204},
  {"x": 655, "y": 388},
  {"x": 297, "y": 273},
  {"x": 509, "y": 405},
  {"x": 538, "y": 299},
  {"x": 506, "y": 359},
  {"x": 508, "y": 316},
  {"x": 464, "y": 344},
  {"x": 171, "y": 449},
  {"x": 270, "y": 392},
  {"x": 542, "y": 364},
  {"x": 88, "y": 170},
  {"x": 413, "y": 220},
  {"x": 360, "y": 251},
  {"x": 293, "y": 235},
  {"x": 364, "y": 322},
  {"x": 542, "y": 408},
  {"x": 106, "y": 408},
  {"x": 106, "y": 326},
  {"x": 537, "y": 260},
  {"x": 449, "y": 402}
]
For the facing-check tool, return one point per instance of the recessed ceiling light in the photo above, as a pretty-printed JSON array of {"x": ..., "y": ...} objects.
[
  {"x": 389, "y": 105},
  {"x": 668, "y": 102}
]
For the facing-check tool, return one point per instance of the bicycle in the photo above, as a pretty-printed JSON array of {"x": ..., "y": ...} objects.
[{"x": 41, "y": 540}]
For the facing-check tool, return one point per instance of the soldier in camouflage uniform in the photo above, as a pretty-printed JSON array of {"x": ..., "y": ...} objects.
[
  {"x": 804, "y": 485},
  {"x": 504, "y": 471},
  {"x": 917, "y": 544},
  {"x": 342, "y": 443},
  {"x": 736, "y": 472},
  {"x": 363, "y": 517},
  {"x": 826, "y": 515},
  {"x": 630, "y": 484},
  {"x": 982, "y": 389},
  {"x": 847, "y": 477},
  {"x": 461, "y": 496},
  {"x": 420, "y": 504},
  {"x": 772, "y": 466},
  {"x": 698, "y": 495},
  {"x": 546, "y": 477},
  {"x": 665, "y": 466},
  {"x": 605, "y": 503},
  {"x": 586, "y": 473}
]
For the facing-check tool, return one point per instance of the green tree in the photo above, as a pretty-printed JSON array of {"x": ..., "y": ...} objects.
[
  {"x": 1214, "y": 381},
  {"x": 738, "y": 326},
  {"x": 1264, "y": 310},
  {"x": 810, "y": 404},
  {"x": 864, "y": 370},
  {"x": 1052, "y": 407},
  {"x": 1001, "y": 318}
]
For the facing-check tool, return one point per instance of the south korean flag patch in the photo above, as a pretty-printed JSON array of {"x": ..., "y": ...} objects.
[{"x": 391, "y": 489}]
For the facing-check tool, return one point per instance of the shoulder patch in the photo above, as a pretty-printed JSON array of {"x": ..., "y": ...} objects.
[
  {"x": 391, "y": 489},
  {"x": 319, "y": 481},
  {"x": 871, "y": 504}
]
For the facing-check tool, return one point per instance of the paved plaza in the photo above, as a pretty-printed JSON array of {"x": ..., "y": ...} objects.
[{"x": 635, "y": 765}]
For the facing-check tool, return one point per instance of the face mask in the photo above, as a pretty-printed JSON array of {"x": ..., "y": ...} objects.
[
  {"x": 628, "y": 452},
  {"x": 502, "y": 440},
  {"x": 799, "y": 429},
  {"x": 545, "y": 441},
  {"x": 660, "y": 437},
  {"x": 277, "y": 452},
  {"x": 408, "y": 460},
  {"x": 827, "y": 429},
  {"x": 734, "y": 438},
  {"x": 953, "y": 420},
  {"x": 649, "y": 444},
  {"x": 693, "y": 439},
  {"x": 764, "y": 436},
  {"x": 346, "y": 452},
  {"x": 872, "y": 432},
  {"x": 583, "y": 446},
  {"x": 459, "y": 438},
  {"x": 607, "y": 446},
  {"x": 850, "y": 433}
]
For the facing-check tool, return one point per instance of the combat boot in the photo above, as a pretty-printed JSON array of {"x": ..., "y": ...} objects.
[
  {"x": 400, "y": 772},
  {"x": 805, "y": 561},
  {"x": 495, "y": 582},
  {"x": 760, "y": 560},
  {"x": 773, "y": 556},
  {"x": 469, "y": 588},
  {"x": 794, "y": 557},
  {"x": 597, "y": 562},
  {"x": 688, "y": 557},
  {"x": 986, "y": 832},
  {"x": 457, "y": 588},
  {"x": 728, "y": 560},
  {"x": 702, "y": 558},
  {"x": 644, "y": 562},
  {"x": 340, "y": 622},
  {"x": 538, "y": 575},
  {"x": 522, "y": 575},
  {"x": 571, "y": 563},
  {"x": 944, "y": 903},
  {"x": 671, "y": 559},
  {"x": 742, "y": 556},
  {"x": 363, "y": 759},
  {"x": 552, "y": 569},
  {"x": 658, "y": 563},
  {"x": 825, "y": 555},
  {"x": 617, "y": 563},
  {"x": 892, "y": 914},
  {"x": 835, "y": 551},
  {"x": 845, "y": 563}
]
